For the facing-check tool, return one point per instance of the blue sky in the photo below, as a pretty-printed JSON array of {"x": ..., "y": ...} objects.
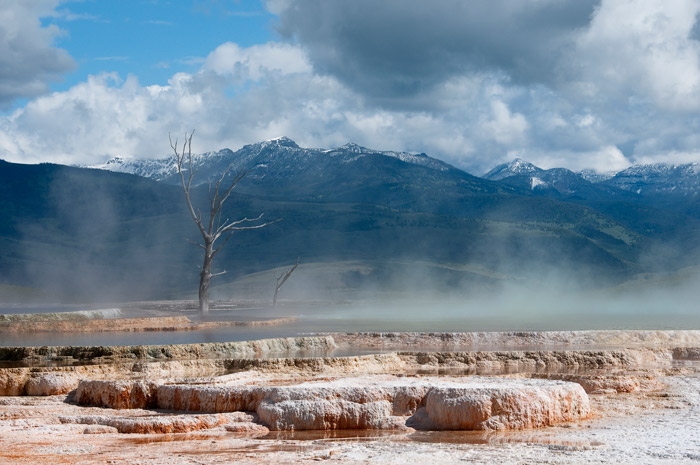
[
  {"x": 599, "y": 84},
  {"x": 153, "y": 39}
]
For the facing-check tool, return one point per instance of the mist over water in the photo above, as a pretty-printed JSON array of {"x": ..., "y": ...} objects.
[{"x": 511, "y": 308}]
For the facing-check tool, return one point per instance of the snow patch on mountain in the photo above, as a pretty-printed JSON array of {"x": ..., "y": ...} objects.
[
  {"x": 406, "y": 157},
  {"x": 516, "y": 167},
  {"x": 535, "y": 182},
  {"x": 595, "y": 176},
  {"x": 148, "y": 168}
]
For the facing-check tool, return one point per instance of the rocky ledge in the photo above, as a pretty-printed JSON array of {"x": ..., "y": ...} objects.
[
  {"x": 50, "y": 380},
  {"x": 379, "y": 402},
  {"x": 36, "y": 356},
  {"x": 535, "y": 340}
]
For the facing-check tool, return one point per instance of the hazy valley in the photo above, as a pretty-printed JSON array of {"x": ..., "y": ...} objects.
[{"x": 374, "y": 223}]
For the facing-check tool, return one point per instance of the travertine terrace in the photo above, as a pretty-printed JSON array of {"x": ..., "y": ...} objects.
[
  {"x": 480, "y": 397},
  {"x": 378, "y": 402}
]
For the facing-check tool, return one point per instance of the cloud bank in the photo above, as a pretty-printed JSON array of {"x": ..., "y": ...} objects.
[
  {"x": 577, "y": 84},
  {"x": 28, "y": 58}
]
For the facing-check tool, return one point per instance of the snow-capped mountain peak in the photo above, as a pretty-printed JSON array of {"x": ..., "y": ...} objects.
[
  {"x": 354, "y": 148},
  {"x": 659, "y": 178},
  {"x": 146, "y": 167},
  {"x": 281, "y": 141},
  {"x": 517, "y": 167},
  {"x": 520, "y": 166},
  {"x": 281, "y": 157},
  {"x": 406, "y": 157}
]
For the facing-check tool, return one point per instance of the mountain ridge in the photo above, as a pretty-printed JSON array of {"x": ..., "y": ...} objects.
[
  {"x": 648, "y": 179},
  {"x": 163, "y": 169},
  {"x": 343, "y": 204},
  {"x": 643, "y": 181}
]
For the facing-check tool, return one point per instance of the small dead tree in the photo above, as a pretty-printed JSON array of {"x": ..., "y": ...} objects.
[
  {"x": 212, "y": 226},
  {"x": 281, "y": 279}
]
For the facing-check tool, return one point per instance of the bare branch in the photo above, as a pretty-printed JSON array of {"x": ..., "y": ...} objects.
[
  {"x": 221, "y": 246},
  {"x": 213, "y": 210},
  {"x": 257, "y": 226},
  {"x": 196, "y": 243},
  {"x": 228, "y": 225},
  {"x": 241, "y": 228},
  {"x": 286, "y": 275},
  {"x": 188, "y": 144},
  {"x": 219, "y": 273},
  {"x": 186, "y": 184},
  {"x": 237, "y": 228},
  {"x": 236, "y": 179}
]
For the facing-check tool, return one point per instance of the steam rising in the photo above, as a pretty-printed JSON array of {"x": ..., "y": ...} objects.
[
  {"x": 348, "y": 297},
  {"x": 104, "y": 237}
]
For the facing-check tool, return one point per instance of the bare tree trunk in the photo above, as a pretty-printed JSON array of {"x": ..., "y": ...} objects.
[
  {"x": 205, "y": 281},
  {"x": 281, "y": 279},
  {"x": 274, "y": 297},
  {"x": 214, "y": 226}
]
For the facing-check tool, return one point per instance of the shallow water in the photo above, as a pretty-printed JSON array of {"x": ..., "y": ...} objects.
[
  {"x": 435, "y": 437},
  {"x": 384, "y": 317},
  {"x": 280, "y": 440}
]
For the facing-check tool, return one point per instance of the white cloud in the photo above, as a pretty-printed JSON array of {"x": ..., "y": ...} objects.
[
  {"x": 603, "y": 102},
  {"x": 254, "y": 62},
  {"x": 642, "y": 49},
  {"x": 505, "y": 127},
  {"x": 606, "y": 159},
  {"x": 98, "y": 117},
  {"x": 475, "y": 126},
  {"x": 28, "y": 58},
  {"x": 673, "y": 157},
  {"x": 585, "y": 121},
  {"x": 106, "y": 116}
]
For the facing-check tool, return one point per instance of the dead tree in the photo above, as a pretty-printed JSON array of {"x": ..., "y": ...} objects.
[
  {"x": 212, "y": 226},
  {"x": 281, "y": 279}
]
